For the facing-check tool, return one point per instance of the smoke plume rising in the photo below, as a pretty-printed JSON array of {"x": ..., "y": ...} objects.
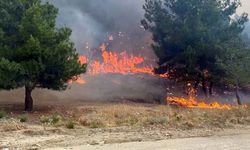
[{"x": 92, "y": 21}]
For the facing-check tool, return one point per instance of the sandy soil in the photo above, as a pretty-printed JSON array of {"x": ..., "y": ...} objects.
[
  {"x": 228, "y": 142},
  {"x": 36, "y": 137}
]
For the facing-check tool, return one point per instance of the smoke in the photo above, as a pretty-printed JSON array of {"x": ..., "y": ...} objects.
[
  {"x": 114, "y": 87},
  {"x": 92, "y": 21}
]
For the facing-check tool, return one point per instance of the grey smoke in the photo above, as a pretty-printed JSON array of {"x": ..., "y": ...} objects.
[{"x": 93, "y": 20}]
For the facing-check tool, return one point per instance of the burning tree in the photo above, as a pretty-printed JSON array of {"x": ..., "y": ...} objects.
[
  {"x": 191, "y": 36},
  {"x": 33, "y": 52}
]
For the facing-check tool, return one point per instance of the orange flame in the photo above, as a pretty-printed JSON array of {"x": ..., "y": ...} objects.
[
  {"x": 79, "y": 79},
  {"x": 121, "y": 63},
  {"x": 83, "y": 59},
  {"x": 193, "y": 103}
]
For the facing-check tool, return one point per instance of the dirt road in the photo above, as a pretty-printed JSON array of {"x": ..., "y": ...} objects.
[{"x": 229, "y": 142}]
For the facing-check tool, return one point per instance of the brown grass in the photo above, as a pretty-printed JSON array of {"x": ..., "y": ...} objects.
[
  {"x": 164, "y": 116},
  {"x": 11, "y": 125},
  {"x": 136, "y": 115}
]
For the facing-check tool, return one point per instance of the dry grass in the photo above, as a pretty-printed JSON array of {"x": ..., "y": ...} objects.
[
  {"x": 163, "y": 116},
  {"x": 11, "y": 125},
  {"x": 136, "y": 115}
]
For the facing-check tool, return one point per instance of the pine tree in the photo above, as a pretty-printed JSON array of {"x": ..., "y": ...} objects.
[
  {"x": 190, "y": 35},
  {"x": 34, "y": 53},
  {"x": 236, "y": 63}
]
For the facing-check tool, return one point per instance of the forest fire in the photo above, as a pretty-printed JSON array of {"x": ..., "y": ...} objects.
[
  {"x": 193, "y": 103},
  {"x": 124, "y": 63},
  {"x": 117, "y": 63}
]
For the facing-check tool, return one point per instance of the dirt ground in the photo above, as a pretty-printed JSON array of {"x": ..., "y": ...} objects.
[
  {"x": 226, "y": 142},
  {"x": 108, "y": 125},
  {"x": 36, "y": 137}
]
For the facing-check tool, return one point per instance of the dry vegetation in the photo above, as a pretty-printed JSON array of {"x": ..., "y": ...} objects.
[
  {"x": 132, "y": 115},
  {"x": 114, "y": 123},
  {"x": 162, "y": 116}
]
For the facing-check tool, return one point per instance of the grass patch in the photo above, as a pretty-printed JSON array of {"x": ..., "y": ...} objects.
[
  {"x": 156, "y": 121},
  {"x": 11, "y": 125},
  {"x": 96, "y": 124},
  {"x": 50, "y": 120},
  {"x": 70, "y": 125},
  {"x": 3, "y": 114},
  {"x": 23, "y": 118},
  {"x": 55, "y": 119},
  {"x": 164, "y": 116},
  {"x": 90, "y": 122},
  {"x": 44, "y": 120}
]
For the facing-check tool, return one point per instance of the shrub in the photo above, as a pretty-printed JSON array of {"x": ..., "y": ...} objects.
[
  {"x": 70, "y": 125},
  {"x": 55, "y": 119},
  {"x": 96, "y": 123},
  {"x": 23, "y": 118},
  {"x": 51, "y": 120},
  {"x": 3, "y": 114},
  {"x": 156, "y": 121},
  {"x": 44, "y": 120}
]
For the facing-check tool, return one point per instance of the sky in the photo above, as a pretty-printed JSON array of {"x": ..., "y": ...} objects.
[{"x": 245, "y": 6}]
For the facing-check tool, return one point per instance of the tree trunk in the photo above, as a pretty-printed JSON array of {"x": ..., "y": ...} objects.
[
  {"x": 238, "y": 96},
  {"x": 28, "y": 99}
]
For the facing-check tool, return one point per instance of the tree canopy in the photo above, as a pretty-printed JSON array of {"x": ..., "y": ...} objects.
[
  {"x": 190, "y": 37},
  {"x": 34, "y": 53}
]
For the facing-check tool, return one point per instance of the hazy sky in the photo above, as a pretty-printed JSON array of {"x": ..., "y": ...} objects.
[
  {"x": 245, "y": 6},
  {"x": 92, "y": 23}
]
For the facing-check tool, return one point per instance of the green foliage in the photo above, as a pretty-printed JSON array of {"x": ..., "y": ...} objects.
[
  {"x": 190, "y": 36},
  {"x": 3, "y": 114},
  {"x": 23, "y": 118},
  {"x": 33, "y": 52},
  {"x": 246, "y": 34},
  {"x": 236, "y": 63},
  {"x": 70, "y": 125},
  {"x": 50, "y": 120},
  {"x": 55, "y": 119},
  {"x": 45, "y": 120}
]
